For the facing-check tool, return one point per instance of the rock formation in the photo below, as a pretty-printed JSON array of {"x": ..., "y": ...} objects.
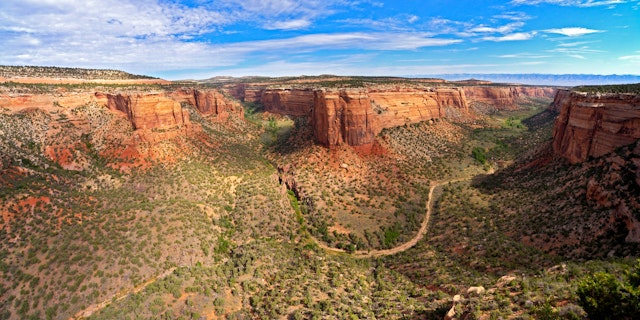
[
  {"x": 355, "y": 116},
  {"x": 149, "y": 110},
  {"x": 70, "y": 122},
  {"x": 294, "y": 102},
  {"x": 505, "y": 97},
  {"x": 343, "y": 116},
  {"x": 592, "y": 125},
  {"x": 209, "y": 102}
]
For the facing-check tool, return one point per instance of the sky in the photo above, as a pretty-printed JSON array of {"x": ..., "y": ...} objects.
[{"x": 196, "y": 39}]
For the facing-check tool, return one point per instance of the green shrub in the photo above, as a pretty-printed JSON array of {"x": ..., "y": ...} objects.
[
  {"x": 603, "y": 296},
  {"x": 480, "y": 154}
]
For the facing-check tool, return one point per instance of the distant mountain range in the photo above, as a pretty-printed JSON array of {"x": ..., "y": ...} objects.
[{"x": 568, "y": 80}]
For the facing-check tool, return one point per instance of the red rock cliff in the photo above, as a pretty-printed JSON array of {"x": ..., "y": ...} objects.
[
  {"x": 149, "y": 110},
  {"x": 343, "y": 116},
  {"x": 209, "y": 102},
  {"x": 356, "y": 116},
  {"x": 592, "y": 125},
  {"x": 294, "y": 102},
  {"x": 505, "y": 97},
  {"x": 405, "y": 105}
]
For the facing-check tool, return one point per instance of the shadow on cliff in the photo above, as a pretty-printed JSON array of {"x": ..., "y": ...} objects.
[{"x": 296, "y": 139}]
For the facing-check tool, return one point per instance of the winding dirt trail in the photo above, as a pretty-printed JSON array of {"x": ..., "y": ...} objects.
[{"x": 404, "y": 246}]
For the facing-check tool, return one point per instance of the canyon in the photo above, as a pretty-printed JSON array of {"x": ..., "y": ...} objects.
[
  {"x": 109, "y": 189},
  {"x": 355, "y": 116}
]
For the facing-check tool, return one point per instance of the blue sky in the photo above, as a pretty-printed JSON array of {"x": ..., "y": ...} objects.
[{"x": 176, "y": 39}]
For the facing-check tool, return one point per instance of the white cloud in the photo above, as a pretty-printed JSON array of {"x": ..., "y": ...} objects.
[
  {"x": 635, "y": 58},
  {"x": 572, "y": 32},
  {"x": 575, "y": 44},
  {"x": 288, "y": 25},
  {"x": 519, "y": 36},
  {"x": 508, "y": 28},
  {"x": 523, "y": 55},
  {"x": 355, "y": 40},
  {"x": 572, "y": 3}
]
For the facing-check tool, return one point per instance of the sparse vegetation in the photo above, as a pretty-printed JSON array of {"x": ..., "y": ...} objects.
[{"x": 215, "y": 224}]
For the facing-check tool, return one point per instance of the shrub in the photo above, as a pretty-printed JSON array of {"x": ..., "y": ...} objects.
[
  {"x": 480, "y": 154},
  {"x": 603, "y": 296}
]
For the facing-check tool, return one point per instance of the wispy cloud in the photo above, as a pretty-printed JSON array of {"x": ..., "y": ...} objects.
[
  {"x": 296, "y": 24},
  {"x": 575, "y": 44},
  {"x": 519, "y": 36},
  {"x": 633, "y": 58},
  {"x": 523, "y": 55},
  {"x": 403, "y": 22},
  {"x": 508, "y": 28},
  {"x": 355, "y": 40},
  {"x": 573, "y": 31},
  {"x": 573, "y": 3}
]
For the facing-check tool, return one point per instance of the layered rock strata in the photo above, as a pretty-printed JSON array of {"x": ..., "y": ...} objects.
[
  {"x": 149, "y": 110},
  {"x": 592, "y": 125},
  {"x": 505, "y": 97},
  {"x": 356, "y": 116}
]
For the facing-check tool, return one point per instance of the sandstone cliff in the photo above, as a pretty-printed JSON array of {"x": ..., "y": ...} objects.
[
  {"x": 149, "y": 110},
  {"x": 356, "y": 116},
  {"x": 592, "y": 125},
  {"x": 343, "y": 116},
  {"x": 209, "y": 102},
  {"x": 126, "y": 128},
  {"x": 294, "y": 102},
  {"x": 505, "y": 97}
]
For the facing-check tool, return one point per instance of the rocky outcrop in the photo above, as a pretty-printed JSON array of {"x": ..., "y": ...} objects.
[
  {"x": 149, "y": 110},
  {"x": 343, "y": 116},
  {"x": 592, "y": 125},
  {"x": 405, "y": 105},
  {"x": 209, "y": 102},
  {"x": 505, "y": 97},
  {"x": 355, "y": 116},
  {"x": 294, "y": 102}
]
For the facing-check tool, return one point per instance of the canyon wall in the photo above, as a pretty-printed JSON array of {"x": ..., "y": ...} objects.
[
  {"x": 149, "y": 110},
  {"x": 343, "y": 116},
  {"x": 592, "y": 125},
  {"x": 406, "y": 105},
  {"x": 209, "y": 102},
  {"x": 505, "y": 97},
  {"x": 355, "y": 116},
  {"x": 294, "y": 102}
]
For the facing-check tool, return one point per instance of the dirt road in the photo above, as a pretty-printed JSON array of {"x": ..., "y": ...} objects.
[{"x": 404, "y": 246}]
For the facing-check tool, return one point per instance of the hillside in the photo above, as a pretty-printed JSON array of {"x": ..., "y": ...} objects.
[
  {"x": 12, "y": 75},
  {"x": 168, "y": 201},
  {"x": 58, "y": 72}
]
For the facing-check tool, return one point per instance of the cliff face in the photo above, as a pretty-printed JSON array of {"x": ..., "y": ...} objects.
[
  {"x": 592, "y": 125},
  {"x": 294, "y": 102},
  {"x": 356, "y": 116},
  {"x": 64, "y": 124},
  {"x": 503, "y": 97},
  {"x": 343, "y": 116},
  {"x": 149, "y": 110},
  {"x": 209, "y": 102},
  {"x": 406, "y": 106}
]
